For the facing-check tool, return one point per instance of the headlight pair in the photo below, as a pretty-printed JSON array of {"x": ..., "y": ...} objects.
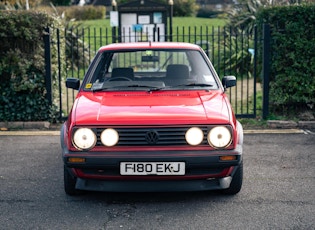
[
  {"x": 85, "y": 138},
  {"x": 218, "y": 137}
]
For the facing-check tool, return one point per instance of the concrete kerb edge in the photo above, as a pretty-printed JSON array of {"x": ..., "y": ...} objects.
[
  {"x": 30, "y": 133},
  {"x": 278, "y": 124},
  {"x": 28, "y": 128},
  {"x": 18, "y": 125}
]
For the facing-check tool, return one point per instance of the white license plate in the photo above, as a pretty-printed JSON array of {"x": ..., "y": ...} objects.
[{"x": 152, "y": 168}]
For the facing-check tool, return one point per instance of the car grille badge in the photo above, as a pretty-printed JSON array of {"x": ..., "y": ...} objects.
[{"x": 152, "y": 137}]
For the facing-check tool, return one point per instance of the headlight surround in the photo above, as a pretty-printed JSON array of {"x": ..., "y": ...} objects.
[
  {"x": 84, "y": 139},
  {"x": 109, "y": 137},
  {"x": 219, "y": 137},
  {"x": 194, "y": 136}
]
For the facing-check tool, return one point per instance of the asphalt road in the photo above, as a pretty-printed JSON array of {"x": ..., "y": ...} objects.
[{"x": 278, "y": 191}]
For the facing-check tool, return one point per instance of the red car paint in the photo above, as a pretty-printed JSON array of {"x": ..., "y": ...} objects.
[{"x": 132, "y": 106}]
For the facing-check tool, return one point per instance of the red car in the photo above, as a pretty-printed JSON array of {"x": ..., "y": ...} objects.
[{"x": 152, "y": 116}]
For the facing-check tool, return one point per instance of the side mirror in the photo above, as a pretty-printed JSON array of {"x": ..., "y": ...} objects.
[
  {"x": 228, "y": 81},
  {"x": 73, "y": 83}
]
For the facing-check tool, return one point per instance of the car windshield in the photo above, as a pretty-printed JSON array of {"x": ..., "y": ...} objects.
[{"x": 151, "y": 70}]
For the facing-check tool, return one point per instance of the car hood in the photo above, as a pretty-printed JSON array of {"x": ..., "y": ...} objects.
[{"x": 151, "y": 108}]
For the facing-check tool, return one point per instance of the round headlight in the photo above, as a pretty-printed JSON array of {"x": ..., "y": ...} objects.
[
  {"x": 84, "y": 138},
  {"x": 219, "y": 137},
  {"x": 194, "y": 136},
  {"x": 109, "y": 137}
]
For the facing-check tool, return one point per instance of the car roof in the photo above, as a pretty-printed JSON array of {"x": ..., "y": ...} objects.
[{"x": 150, "y": 45}]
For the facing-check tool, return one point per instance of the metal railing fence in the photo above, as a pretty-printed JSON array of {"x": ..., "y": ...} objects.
[{"x": 232, "y": 52}]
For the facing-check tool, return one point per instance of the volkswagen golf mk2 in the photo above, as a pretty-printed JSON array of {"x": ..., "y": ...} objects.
[{"x": 152, "y": 117}]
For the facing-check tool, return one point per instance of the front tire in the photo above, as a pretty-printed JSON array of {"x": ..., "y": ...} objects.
[
  {"x": 69, "y": 183},
  {"x": 236, "y": 183}
]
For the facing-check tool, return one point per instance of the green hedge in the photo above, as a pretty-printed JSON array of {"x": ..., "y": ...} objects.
[
  {"x": 79, "y": 13},
  {"x": 292, "y": 77},
  {"x": 207, "y": 13},
  {"x": 22, "y": 66}
]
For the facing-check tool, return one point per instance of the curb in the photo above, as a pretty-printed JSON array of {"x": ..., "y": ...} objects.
[
  {"x": 18, "y": 125},
  {"x": 291, "y": 124},
  {"x": 273, "y": 131},
  {"x": 30, "y": 133}
]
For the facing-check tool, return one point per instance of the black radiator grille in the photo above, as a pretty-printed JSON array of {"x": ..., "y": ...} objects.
[{"x": 151, "y": 136}]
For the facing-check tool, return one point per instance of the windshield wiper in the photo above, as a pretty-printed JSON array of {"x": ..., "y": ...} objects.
[
  {"x": 139, "y": 85},
  {"x": 195, "y": 84},
  {"x": 151, "y": 88},
  {"x": 155, "y": 89},
  {"x": 105, "y": 88}
]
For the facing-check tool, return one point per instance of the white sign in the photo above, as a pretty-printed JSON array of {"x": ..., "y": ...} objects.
[
  {"x": 144, "y": 19},
  {"x": 114, "y": 18}
]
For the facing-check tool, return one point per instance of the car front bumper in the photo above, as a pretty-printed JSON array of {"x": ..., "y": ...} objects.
[
  {"x": 154, "y": 186},
  {"x": 204, "y": 170}
]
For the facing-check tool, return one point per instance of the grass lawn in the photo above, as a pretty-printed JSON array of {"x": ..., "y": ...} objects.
[{"x": 177, "y": 22}]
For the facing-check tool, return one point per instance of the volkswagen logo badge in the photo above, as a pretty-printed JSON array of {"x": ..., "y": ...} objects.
[{"x": 152, "y": 137}]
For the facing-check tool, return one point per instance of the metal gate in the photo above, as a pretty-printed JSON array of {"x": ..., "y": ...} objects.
[{"x": 232, "y": 52}]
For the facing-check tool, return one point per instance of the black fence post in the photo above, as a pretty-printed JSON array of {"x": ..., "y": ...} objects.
[
  {"x": 255, "y": 68},
  {"x": 59, "y": 74},
  {"x": 48, "y": 78},
  {"x": 171, "y": 3},
  {"x": 266, "y": 69},
  {"x": 114, "y": 5}
]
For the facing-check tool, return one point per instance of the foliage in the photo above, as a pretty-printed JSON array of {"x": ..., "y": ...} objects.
[
  {"x": 77, "y": 13},
  {"x": 77, "y": 51},
  {"x": 292, "y": 81},
  {"x": 185, "y": 8},
  {"x": 61, "y": 2},
  {"x": 22, "y": 67},
  {"x": 292, "y": 60},
  {"x": 207, "y": 13},
  {"x": 85, "y": 12},
  {"x": 238, "y": 60},
  {"x": 18, "y": 4},
  {"x": 243, "y": 15}
]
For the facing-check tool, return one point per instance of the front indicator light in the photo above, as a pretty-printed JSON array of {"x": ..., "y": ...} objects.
[
  {"x": 219, "y": 137},
  {"x": 109, "y": 137},
  {"x": 227, "y": 158},
  {"x": 76, "y": 160},
  {"x": 194, "y": 136},
  {"x": 84, "y": 139}
]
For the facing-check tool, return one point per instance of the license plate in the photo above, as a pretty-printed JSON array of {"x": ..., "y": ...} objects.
[{"x": 152, "y": 168}]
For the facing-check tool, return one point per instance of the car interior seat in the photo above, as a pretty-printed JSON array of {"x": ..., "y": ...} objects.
[
  {"x": 176, "y": 74},
  {"x": 121, "y": 73}
]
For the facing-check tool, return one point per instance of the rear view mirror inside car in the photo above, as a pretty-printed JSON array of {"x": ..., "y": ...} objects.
[{"x": 150, "y": 58}]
